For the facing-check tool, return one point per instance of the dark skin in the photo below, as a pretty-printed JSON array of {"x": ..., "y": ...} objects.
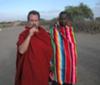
[{"x": 63, "y": 20}]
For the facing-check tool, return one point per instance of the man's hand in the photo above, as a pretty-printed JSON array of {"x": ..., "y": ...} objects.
[
  {"x": 32, "y": 31},
  {"x": 51, "y": 75}
]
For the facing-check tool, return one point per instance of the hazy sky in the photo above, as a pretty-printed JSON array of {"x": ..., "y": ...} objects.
[{"x": 18, "y": 9}]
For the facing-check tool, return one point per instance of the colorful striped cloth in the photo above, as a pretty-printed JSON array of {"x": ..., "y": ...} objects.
[{"x": 65, "y": 55}]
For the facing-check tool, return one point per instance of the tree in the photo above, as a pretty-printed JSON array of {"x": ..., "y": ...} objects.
[
  {"x": 97, "y": 19},
  {"x": 80, "y": 12}
]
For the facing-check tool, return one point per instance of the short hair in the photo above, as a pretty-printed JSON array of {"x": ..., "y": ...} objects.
[
  {"x": 34, "y": 13},
  {"x": 68, "y": 15}
]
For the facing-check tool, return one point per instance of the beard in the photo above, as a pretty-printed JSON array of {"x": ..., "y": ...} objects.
[{"x": 31, "y": 25}]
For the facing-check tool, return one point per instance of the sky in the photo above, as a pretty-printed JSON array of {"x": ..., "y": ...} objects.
[{"x": 11, "y": 10}]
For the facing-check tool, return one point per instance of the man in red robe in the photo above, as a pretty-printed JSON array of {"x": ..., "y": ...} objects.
[{"x": 34, "y": 52}]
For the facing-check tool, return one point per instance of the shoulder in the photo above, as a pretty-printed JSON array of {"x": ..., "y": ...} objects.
[{"x": 43, "y": 29}]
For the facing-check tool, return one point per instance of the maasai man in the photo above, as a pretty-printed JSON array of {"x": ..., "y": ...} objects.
[
  {"x": 64, "y": 44},
  {"x": 34, "y": 51}
]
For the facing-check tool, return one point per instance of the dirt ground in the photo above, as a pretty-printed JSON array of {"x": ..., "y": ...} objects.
[{"x": 88, "y": 68}]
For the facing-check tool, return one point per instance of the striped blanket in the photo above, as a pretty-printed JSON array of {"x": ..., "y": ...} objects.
[{"x": 65, "y": 55}]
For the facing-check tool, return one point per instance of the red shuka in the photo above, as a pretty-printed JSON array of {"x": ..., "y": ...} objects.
[{"x": 32, "y": 68}]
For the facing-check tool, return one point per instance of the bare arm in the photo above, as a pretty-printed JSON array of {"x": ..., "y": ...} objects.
[{"x": 24, "y": 46}]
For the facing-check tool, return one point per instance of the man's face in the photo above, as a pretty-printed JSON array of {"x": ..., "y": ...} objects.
[
  {"x": 34, "y": 19},
  {"x": 63, "y": 20}
]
